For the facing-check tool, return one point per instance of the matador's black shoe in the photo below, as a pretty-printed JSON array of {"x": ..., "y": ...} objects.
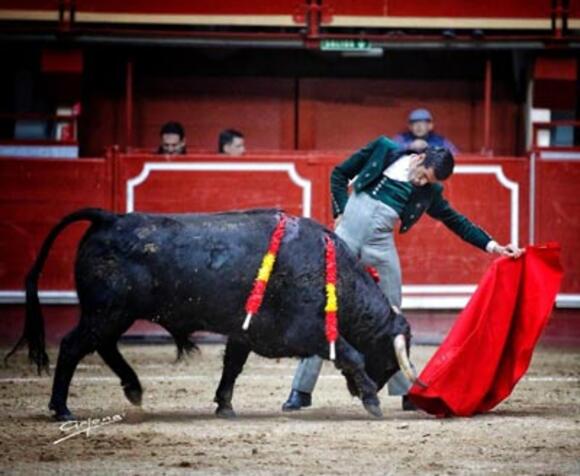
[
  {"x": 297, "y": 400},
  {"x": 408, "y": 405}
]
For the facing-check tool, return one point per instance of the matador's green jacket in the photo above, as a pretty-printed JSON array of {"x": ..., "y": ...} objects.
[{"x": 369, "y": 163}]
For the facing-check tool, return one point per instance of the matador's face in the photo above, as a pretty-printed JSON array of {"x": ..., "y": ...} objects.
[{"x": 420, "y": 175}]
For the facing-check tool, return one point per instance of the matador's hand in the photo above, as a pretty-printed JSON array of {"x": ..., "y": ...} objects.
[{"x": 510, "y": 251}]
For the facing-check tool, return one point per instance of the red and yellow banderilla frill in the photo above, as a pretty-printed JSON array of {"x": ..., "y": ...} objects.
[
  {"x": 331, "y": 308},
  {"x": 261, "y": 282},
  {"x": 256, "y": 297}
]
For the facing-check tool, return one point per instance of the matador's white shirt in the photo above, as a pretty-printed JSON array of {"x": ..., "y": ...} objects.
[{"x": 399, "y": 170}]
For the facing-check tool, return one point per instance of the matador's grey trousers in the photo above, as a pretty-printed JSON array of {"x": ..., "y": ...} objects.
[{"x": 367, "y": 228}]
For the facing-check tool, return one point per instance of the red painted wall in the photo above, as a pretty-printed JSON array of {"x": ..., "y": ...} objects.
[
  {"x": 313, "y": 114},
  {"x": 426, "y": 8},
  {"x": 347, "y": 113},
  {"x": 263, "y": 108},
  {"x": 34, "y": 195},
  {"x": 443, "y": 8},
  {"x": 164, "y": 191},
  {"x": 558, "y": 214}
]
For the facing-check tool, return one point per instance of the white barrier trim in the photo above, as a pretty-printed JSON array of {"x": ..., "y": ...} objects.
[
  {"x": 288, "y": 167},
  {"x": 45, "y": 297},
  {"x": 559, "y": 155},
  {"x": 512, "y": 186},
  {"x": 440, "y": 298},
  {"x": 532, "y": 224},
  {"x": 438, "y": 289}
]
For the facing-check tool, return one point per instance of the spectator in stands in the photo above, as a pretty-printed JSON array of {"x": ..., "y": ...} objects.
[
  {"x": 231, "y": 142},
  {"x": 420, "y": 134},
  {"x": 172, "y": 139}
]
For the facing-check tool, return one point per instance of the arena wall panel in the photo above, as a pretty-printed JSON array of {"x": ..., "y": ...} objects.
[
  {"x": 34, "y": 195},
  {"x": 491, "y": 8},
  {"x": 262, "y": 108},
  {"x": 346, "y": 113},
  {"x": 307, "y": 113},
  {"x": 210, "y": 183},
  {"x": 440, "y": 271},
  {"x": 558, "y": 214},
  {"x": 494, "y": 14}
]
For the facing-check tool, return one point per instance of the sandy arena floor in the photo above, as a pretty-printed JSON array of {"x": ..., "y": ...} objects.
[{"x": 536, "y": 431}]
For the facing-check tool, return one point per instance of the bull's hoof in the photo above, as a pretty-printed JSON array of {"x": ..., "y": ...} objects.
[
  {"x": 225, "y": 412},
  {"x": 64, "y": 416},
  {"x": 61, "y": 413},
  {"x": 374, "y": 408},
  {"x": 134, "y": 394}
]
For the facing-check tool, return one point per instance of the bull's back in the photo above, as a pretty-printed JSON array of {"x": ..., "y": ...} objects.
[
  {"x": 193, "y": 265},
  {"x": 196, "y": 272}
]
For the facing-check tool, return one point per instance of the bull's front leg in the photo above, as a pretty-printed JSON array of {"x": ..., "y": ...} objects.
[
  {"x": 352, "y": 364},
  {"x": 234, "y": 359}
]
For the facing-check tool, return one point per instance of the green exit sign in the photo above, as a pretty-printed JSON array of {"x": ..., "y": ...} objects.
[{"x": 345, "y": 45}]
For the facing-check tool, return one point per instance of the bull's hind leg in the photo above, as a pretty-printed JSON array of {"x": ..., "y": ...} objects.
[
  {"x": 352, "y": 364},
  {"x": 234, "y": 359},
  {"x": 129, "y": 380},
  {"x": 93, "y": 332},
  {"x": 73, "y": 347}
]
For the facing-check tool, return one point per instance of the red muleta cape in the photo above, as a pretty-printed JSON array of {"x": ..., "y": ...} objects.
[{"x": 490, "y": 346}]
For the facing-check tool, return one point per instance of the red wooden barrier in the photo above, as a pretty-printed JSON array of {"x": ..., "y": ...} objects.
[
  {"x": 210, "y": 183},
  {"x": 37, "y": 193},
  {"x": 327, "y": 106},
  {"x": 558, "y": 213},
  {"x": 34, "y": 195},
  {"x": 310, "y": 113},
  {"x": 435, "y": 262},
  {"x": 439, "y": 269},
  {"x": 227, "y": 12}
]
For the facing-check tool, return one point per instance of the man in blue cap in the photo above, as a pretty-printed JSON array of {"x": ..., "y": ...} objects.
[{"x": 420, "y": 134}]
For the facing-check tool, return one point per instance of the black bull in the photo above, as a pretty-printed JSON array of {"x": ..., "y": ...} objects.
[{"x": 194, "y": 272}]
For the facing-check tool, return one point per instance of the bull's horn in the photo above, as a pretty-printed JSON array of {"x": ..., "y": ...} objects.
[{"x": 404, "y": 364}]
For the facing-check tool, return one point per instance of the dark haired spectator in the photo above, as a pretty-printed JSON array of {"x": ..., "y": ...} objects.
[
  {"x": 172, "y": 138},
  {"x": 421, "y": 135},
  {"x": 231, "y": 142}
]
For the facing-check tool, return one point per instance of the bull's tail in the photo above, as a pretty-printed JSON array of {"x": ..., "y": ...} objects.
[{"x": 34, "y": 324}]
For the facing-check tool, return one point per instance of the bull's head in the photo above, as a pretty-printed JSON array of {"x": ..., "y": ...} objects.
[{"x": 389, "y": 354}]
